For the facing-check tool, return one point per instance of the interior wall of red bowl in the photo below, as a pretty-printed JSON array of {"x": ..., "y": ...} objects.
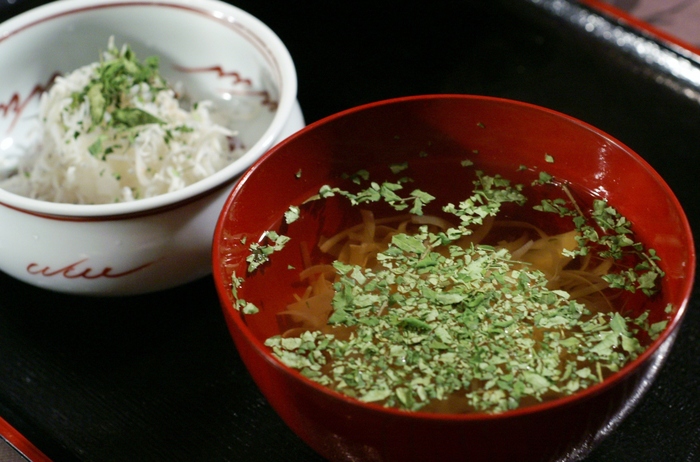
[{"x": 434, "y": 135}]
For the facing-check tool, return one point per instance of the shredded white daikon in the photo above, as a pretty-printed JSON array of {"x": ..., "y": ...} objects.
[{"x": 84, "y": 161}]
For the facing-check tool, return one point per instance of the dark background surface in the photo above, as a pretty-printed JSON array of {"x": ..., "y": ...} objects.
[{"x": 156, "y": 377}]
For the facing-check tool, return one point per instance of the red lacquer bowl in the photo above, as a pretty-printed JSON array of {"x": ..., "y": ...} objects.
[{"x": 443, "y": 126}]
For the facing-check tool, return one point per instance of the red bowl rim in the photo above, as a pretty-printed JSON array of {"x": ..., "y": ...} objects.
[{"x": 584, "y": 394}]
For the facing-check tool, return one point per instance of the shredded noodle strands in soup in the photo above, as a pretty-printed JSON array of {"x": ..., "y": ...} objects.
[
  {"x": 113, "y": 131},
  {"x": 468, "y": 311}
]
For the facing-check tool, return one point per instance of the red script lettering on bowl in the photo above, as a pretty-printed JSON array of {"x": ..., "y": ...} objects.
[{"x": 77, "y": 270}]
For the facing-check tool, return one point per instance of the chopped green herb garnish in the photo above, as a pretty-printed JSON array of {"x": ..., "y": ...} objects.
[
  {"x": 107, "y": 93},
  {"x": 473, "y": 320},
  {"x": 613, "y": 233},
  {"x": 292, "y": 214},
  {"x": 386, "y": 192},
  {"x": 396, "y": 168},
  {"x": 259, "y": 254},
  {"x": 434, "y": 318},
  {"x": 544, "y": 178}
]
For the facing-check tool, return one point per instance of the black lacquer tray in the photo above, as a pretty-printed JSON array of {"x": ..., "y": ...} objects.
[{"x": 157, "y": 378}]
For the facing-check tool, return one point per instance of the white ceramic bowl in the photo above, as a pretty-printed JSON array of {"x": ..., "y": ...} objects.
[{"x": 218, "y": 52}]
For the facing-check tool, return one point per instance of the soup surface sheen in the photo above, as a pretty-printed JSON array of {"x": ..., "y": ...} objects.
[{"x": 459, "y": 299}]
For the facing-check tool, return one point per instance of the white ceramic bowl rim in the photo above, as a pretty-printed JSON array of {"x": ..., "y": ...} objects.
[{"x": 263, "y": 37}]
